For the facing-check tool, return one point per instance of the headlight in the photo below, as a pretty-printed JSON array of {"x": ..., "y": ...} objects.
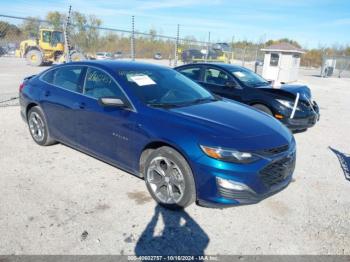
[
  {"x": 229, "y": 155},
  {"x": 286, "y": 103}
]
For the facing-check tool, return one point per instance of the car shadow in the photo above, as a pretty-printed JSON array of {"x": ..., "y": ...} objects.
[
  {"x": 344, "y": 160},
  {"x": 181, "y": 235}
]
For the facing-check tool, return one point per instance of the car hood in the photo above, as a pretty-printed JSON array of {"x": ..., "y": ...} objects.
[
  {"x": 233, "y": 122},
  {"x": 290, "y": 91}
]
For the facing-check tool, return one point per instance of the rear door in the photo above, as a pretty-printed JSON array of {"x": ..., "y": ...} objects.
[
  {"x": 216, "y": 81},
  {"x": 62, "y": 89},
  {"x": 107, "y": 132}
]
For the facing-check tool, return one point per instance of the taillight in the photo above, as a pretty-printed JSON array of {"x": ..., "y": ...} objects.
[{"x": 21, "y": 86}]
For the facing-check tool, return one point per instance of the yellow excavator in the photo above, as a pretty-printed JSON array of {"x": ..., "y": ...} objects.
[{"x": 50, "y": 46}]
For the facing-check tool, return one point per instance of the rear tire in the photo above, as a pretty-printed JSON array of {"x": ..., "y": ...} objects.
[
  {"x": 263, "y": 108},
  {"x": 34, "y": 58},
  {"x": 38, "y": 127},
  {"x": 169, "y": 178}
]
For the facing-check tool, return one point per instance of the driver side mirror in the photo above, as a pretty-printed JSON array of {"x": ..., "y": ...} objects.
[{"x": 111, "y": 102}]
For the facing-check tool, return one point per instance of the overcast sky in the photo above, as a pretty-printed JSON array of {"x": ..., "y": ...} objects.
[{"x": 310, "y": 22}]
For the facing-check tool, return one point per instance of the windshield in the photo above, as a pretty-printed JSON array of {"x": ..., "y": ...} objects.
[
  {"x": 249, "y": 78},
  {"x": 163, "y": 87},
  {"x": 57, "y": 37}
]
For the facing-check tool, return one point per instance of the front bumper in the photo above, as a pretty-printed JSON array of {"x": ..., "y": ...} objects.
[
  {"x": 301, "y": 123},
  {"x": 260, "y": 180},
  {"x": 304, "y": 119}
]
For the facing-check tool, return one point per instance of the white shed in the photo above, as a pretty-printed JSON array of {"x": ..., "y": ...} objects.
[{"x": 281, "y": 62}]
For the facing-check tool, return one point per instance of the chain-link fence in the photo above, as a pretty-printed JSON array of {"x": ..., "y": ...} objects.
[
  {"x": 335, "y": 66},
  {"x": 34, "y": 41}
]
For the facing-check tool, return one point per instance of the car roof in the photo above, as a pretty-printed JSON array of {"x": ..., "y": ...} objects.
[
  {"x": 220, "y": 65},
  {"x": 120, "y": 64}
]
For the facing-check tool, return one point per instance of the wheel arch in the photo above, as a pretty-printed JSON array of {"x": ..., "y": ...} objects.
[
  {"x": 258, "y": 102},
  {"x": 151, "y": 146},
  {"x": 30, "y": 106},
  {"x": 30, "y": 48}
]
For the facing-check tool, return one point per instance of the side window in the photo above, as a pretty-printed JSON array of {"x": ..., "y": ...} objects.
[
  {"x": 274, "y": 59},
  {"x": 98, "y": 84},
  {"x": 46, "y": 36},
  {"x": 193, "y": 73},
  {"x": 48, "y": 76},
  {"x": 67, "y": 77},
  {"x": 215, "y": 76}
]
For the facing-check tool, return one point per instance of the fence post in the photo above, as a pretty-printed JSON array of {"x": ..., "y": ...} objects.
[
  {"x": 243, "y": 58},
  {"x": 176, "y": 45},
  {"x": 67, "y": 47},
  {"x": 207, "y": 54},
  {"x": 322, "y": 65},
  {"x": 132, "y": 40},
  {"x": 232, "y": 44},
  {"x": 256, "y": 61}
]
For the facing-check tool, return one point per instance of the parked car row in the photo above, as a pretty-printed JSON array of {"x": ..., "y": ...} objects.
[
  {"x": 290, "y": 104},
  {"x": 187, "y": 143},
  {"x": 108, "y": 55},
  {"x": 119, "y": 55},
  {"x": 8, "y": 50}
]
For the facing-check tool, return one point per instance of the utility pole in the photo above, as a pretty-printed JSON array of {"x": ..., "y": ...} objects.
[
  {"x": 67, "y": 47},
  {"x": 176, "y": 45},
  {"x": 132, "y": 40},
  {"x": 232, "y": 43},
  {"x": 208, "y": 44}
]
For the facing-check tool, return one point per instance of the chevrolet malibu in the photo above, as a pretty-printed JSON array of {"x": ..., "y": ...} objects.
[{"x": 186, "y": 143}]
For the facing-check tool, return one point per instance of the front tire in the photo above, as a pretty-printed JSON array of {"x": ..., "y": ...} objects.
[
  {"x": 38, "y": 127},
  {"x": 169, "y": 178},
  {"x": 263, "y": 108},
  {"x": 35, "y": 58}
]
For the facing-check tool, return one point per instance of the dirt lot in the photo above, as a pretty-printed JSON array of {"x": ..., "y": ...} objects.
[{"x": 56, "y": 200}]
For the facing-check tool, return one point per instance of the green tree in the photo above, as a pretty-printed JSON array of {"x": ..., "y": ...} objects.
[
  {"x": 30, "y": 27},
  {"x": 84, "y": 32},
  {"x": 56, "y": 19},
  {"x": 347, "y": 51},
  {"x": 283, "y": 40},
  {"x": 9, "y": 31}
]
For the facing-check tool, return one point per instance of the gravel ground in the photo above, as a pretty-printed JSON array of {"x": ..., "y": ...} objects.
[{"x": 56, "y": 200}]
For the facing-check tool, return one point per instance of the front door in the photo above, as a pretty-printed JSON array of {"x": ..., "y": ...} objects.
[
  {"x": 107, "y": 132},
  {"x": 221, "y": 83}
]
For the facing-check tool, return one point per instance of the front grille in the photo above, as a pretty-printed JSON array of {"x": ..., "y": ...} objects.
[
  {"x": 278, "y": 171},
  {"x": 274, "y": 151}
]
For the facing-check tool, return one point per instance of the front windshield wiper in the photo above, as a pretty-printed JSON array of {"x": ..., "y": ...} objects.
[
  {"x": 260, "y": 84},
  {"x": 203, "y": 99},
  {"x": 172, "y": 105},
  {"x": 164, "y": 105}
]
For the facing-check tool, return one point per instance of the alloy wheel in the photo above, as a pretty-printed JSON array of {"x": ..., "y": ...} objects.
[
  {"x": 36, "y": 126},
  {"x": 166, "y": 180}
]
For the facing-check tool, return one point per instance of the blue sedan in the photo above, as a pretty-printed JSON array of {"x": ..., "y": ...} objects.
[{"x": 188, "y": 144}]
